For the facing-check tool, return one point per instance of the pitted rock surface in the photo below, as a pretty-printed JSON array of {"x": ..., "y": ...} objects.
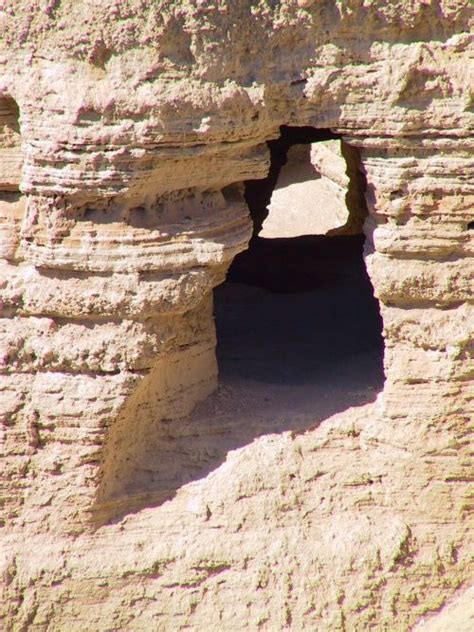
[{"x": 127, "y": 132}]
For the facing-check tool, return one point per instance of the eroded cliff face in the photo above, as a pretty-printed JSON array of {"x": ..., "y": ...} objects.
[{"x": 127, "y": 131}]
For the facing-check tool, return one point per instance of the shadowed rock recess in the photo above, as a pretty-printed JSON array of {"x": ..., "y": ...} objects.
[{"x": 140, "y": 143}]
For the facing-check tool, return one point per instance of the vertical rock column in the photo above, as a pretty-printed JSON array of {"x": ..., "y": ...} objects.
[
  {"x": 420, "y": 197},
  {"x": 11, "y": 159},
  {"x": 340, "y": 168},
  {"x": 13, "y": 443}
]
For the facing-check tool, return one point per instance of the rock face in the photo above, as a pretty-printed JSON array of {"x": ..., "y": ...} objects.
[
  {"x": 309, "y": 196},
  {"x": 127, "y": 130},
  {"x": 342, "y": 175}
]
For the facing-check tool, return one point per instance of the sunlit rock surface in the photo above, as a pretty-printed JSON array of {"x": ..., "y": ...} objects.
[
  {"x": 127, "y": 130},
  {"x": 308, "y": 199}
]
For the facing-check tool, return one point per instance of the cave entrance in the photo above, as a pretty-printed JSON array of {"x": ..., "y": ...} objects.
[
  {"x": 298, "y": 327},
  {"x": 298, "y": 331}
]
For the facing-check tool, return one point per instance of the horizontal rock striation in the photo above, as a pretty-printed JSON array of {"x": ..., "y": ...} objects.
[{"x": 126, "y": 135}]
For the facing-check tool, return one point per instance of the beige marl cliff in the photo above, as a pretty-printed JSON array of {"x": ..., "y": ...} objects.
[{"x": 127, "y": 130}]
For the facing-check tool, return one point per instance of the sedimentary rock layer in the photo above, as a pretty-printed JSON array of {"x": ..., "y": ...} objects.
[{"x": 127, "y": 131}]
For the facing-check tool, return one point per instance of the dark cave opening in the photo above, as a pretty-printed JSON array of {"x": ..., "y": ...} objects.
[{"x": 300, "y": 311}]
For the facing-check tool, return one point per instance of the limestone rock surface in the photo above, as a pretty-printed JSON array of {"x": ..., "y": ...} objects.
[
  {"x": 306, "y": 199},
  {"x": 127, "y": 132}
]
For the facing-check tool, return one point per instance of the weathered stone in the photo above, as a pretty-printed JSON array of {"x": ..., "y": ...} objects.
[{"x": 127, "y": 130}]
